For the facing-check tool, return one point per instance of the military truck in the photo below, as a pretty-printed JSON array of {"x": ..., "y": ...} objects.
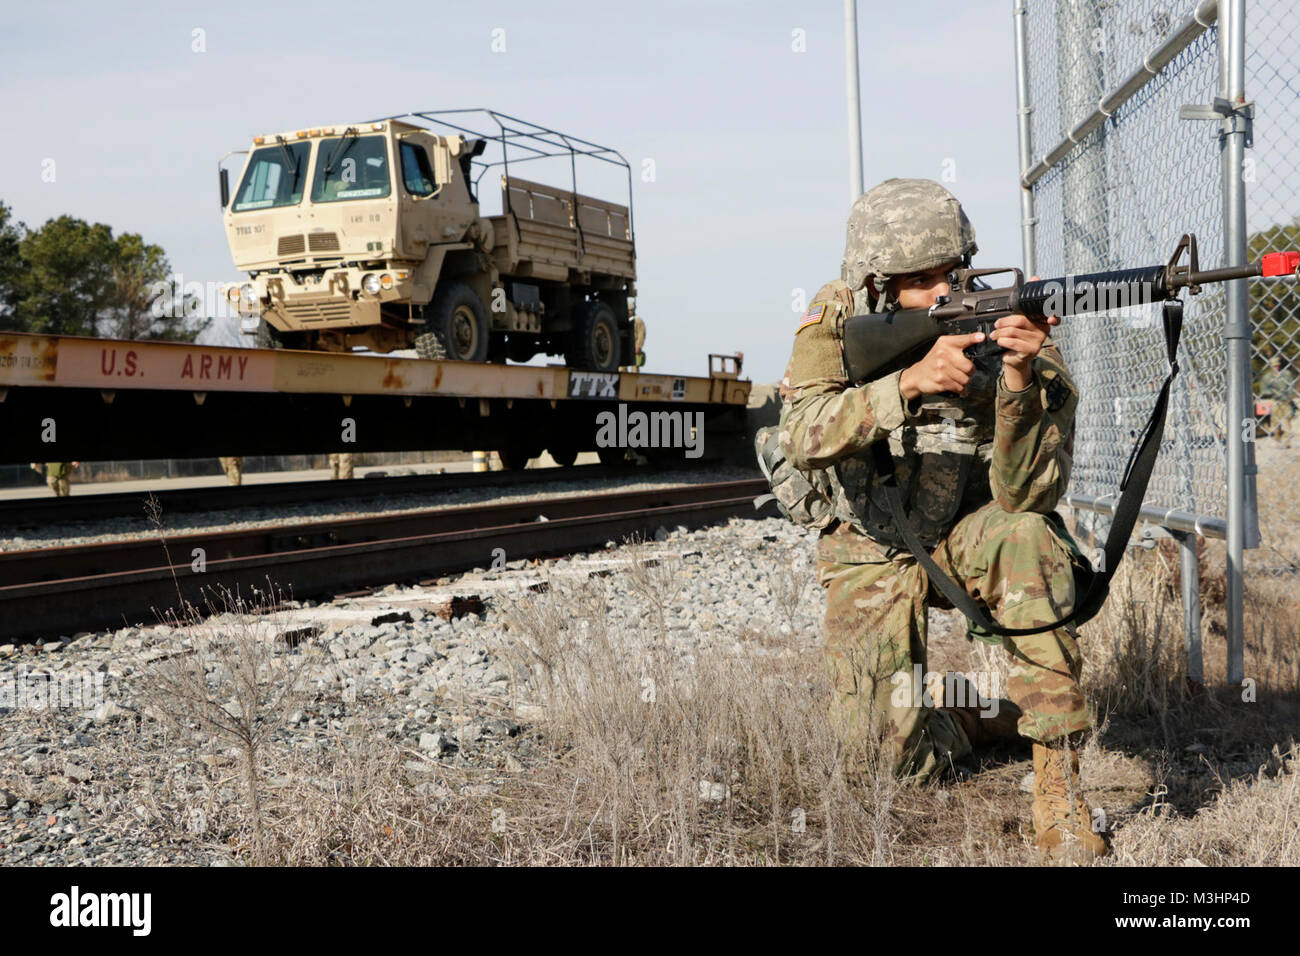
[{"x": 369, "y": 235}]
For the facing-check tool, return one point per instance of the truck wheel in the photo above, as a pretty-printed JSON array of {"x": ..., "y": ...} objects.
[
  {"x": 612, "y": 456},
  {"x": 595, "y": 342},
  {"x": 458, "y": 324},
  {"x": 563, "y": 456},
  {"x": 514, "y": 458},
  {"x": 520, "y": 348}
]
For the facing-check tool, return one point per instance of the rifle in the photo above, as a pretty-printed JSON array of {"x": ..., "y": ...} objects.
[{"x": 880, "y": 342}]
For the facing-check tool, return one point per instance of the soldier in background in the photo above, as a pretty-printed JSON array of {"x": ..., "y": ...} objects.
[
  {"x": 57, "y": 475},
  {"x": 233, "y": 466},
  {"x": 638, "y": 340},
  {"x": 982, "y": 452},
  {"x": 1277, "y": 387},
  {"x": 340, "y": 465}
]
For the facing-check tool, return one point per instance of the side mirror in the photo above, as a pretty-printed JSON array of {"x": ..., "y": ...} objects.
[{"x": 225, "y": 187}]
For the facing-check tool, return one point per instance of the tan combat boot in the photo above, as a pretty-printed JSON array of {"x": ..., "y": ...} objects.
[{"x": 1062, "y": 820}]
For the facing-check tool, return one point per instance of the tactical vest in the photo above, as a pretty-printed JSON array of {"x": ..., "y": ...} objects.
[{"x": 941, "y": 460}]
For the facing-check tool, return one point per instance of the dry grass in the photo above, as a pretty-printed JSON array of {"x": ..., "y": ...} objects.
[
  {"x": 659, "y": 757},
  {"x": 728, "y": 760},
  {"x": 235, "y": 683}
]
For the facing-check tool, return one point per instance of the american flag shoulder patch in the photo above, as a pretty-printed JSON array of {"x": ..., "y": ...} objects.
[{"x": 812, "y": 316}]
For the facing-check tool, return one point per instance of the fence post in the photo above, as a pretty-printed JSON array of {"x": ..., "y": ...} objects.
[
  {"x": 1191, "y": 581},
  {"x": 1085, "y": 216},
  {"x": 1243, "y": 522},
  {"x": 1084, "y": 207}
]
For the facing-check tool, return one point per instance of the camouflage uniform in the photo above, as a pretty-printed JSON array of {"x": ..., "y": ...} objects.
[
  {"x": 234, "y": 469},
  {"x": 638, "y": 344},
  {"x": 341, "y": 464},
  {"x": 980, "y": 474},
  {"x": 57, "y": 474}
]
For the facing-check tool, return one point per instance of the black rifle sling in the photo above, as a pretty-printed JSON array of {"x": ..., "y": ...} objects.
[{"x": 1132, "y": 491}]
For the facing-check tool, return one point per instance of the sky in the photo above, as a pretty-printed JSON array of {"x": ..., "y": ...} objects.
[{"x": 739, "y": 107}]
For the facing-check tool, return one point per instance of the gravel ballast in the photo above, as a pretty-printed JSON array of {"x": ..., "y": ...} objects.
[{"x": 101, "y": 781}]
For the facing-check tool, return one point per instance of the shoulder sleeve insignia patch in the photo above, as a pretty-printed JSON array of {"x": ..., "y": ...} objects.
[
  {"x": 812, "y": 316},
  {"x": 1058, "y": 393}
]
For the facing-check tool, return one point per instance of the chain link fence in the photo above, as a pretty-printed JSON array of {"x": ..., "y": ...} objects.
[
  {"x": 1133, "y": 108},
  {"x": 1273, "y": 225},
  {"x": 1122, "y": 197}
]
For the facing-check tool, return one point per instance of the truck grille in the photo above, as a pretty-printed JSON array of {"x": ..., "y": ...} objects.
[
  {"x": 323, "y": 241},
  {"x": 327, "y": 310},
  {"x": 290, "y": 246}
]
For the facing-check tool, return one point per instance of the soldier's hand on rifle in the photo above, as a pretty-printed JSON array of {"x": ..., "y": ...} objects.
[
  {"x": 1022, "y": 337},
  {"x": 945, "y": 368}
]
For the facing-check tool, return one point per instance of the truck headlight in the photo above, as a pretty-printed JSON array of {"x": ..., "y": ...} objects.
[
  {"x": 248, "y": 295},
  {"x": 371, "y": 284},
  {"x": 386, "y": 281}
]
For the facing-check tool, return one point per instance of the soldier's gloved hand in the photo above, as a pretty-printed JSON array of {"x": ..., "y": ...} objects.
[{"x": 945, "y": 368}]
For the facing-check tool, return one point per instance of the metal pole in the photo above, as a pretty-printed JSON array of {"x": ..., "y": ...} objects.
[
  {"x": 1191, "y": 578},
  {"x": 1203, "y": 526},
  {"x": 1242, "y": 521},
  {"x": 1025, "y": 134},
  {"x": 1085, "y": 217},
  {"x": 854, "y": 97},
  {"x": 1081, "y": 84}
]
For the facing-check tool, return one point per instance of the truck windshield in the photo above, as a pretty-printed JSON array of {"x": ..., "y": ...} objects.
[
  {"x": 274, "y": 176},
  {"x": 359, "y": 170}
]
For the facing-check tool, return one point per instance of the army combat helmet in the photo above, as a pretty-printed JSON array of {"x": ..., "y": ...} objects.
[{"x": 902, "y": 226}]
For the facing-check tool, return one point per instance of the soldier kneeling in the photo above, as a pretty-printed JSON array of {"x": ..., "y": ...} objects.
[{"x": 981, "y": 448}]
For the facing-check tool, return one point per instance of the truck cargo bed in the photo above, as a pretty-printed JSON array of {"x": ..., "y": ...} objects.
[{"x": 539, "y": 235}]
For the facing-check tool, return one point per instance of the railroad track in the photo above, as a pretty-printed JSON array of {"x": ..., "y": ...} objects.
[
  {"x": 27, "y": 513},
  {"x": 58, "y": 591}
]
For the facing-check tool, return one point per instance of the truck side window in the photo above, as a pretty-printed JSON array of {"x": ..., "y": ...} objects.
[{"x": 417, "y": 175}]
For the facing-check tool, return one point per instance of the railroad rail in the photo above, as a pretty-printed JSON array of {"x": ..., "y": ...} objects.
[
  {"x": 59, "y": 591},
  {"x": 28, "y": 513},
  {"x": 65, "y": 398}
]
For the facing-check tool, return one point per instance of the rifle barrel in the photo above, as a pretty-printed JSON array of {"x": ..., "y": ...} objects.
[{"x": 1249, "y": 271}]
